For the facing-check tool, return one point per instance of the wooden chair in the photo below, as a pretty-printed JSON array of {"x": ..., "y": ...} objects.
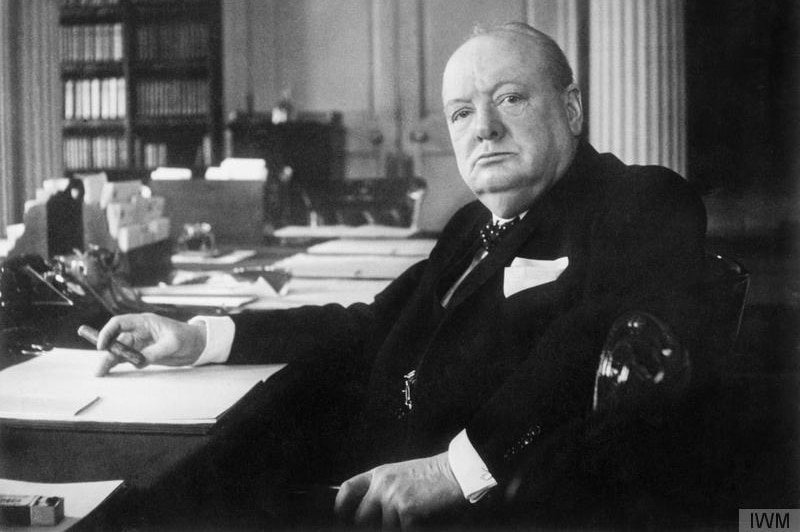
[{"x": 635, "y": 460}]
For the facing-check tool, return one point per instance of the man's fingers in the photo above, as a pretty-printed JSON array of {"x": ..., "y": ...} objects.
[
  {"x": 114, "y": 328},
  {"x": 390, "y": 520},
  {"x": 127, "y": 339},
  {"x": 350, "y": 494},
  {"x": 108, "y": 362},
  {"x": 119, "y": 328},
  {"x": 370, "y": 511}
]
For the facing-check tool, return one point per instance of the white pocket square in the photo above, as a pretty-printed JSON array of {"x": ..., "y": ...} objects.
[{"x": 527, "y": 273}]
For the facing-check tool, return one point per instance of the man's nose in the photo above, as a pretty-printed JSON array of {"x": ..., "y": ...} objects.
[{"x": 488, "y": 125}]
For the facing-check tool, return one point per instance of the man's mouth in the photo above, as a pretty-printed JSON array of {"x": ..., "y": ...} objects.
[{"x": 492, "y": 157}]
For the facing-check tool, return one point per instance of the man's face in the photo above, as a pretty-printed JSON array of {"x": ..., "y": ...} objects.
[{"x": 514, "y": 134}]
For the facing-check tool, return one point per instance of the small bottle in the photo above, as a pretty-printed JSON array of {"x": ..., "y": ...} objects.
[{"x": 284, "y": 110}]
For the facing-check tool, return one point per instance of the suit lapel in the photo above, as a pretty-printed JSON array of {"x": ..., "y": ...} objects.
[
  {"x": 570, "y": 191},
  {"x": 461, "y": 256},
  {"x": 497, "y": 259}
]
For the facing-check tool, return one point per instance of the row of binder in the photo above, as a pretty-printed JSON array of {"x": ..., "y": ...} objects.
[
  {"x": 172, "y": 41},
  {"x": 88, "y": 3},
  {"x": 161, "y": 98},
  {"x": 92, "y": 42},
  {"x": 95, "y": 99},
  {"x": 101, "y": 151}
]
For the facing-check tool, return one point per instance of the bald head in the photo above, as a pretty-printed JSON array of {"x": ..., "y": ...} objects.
[
  {"x": 554, "y": 61},
  {"x": 513, "y": 114}
]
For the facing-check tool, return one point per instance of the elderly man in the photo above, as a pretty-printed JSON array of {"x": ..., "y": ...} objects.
[{"x": 470, "y": 359}]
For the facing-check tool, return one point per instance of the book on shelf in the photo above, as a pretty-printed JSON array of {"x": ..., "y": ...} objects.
[
  {"x": 94, "y": 98},
  {"x": 89, "y": 3},
  {"x": 174, "y": 97},
  {"x": 175, "y": 41},
  {"x": 139, "y": 71},
  {"x": 95, "y": 151}
]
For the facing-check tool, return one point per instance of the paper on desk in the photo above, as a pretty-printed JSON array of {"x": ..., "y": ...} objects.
[
  {"x": 343, "y": 267},
  {"x": 222, "y": 291},
  {"x": 223, "y": 302},
  {"x": 412, "y": 247},
  {"x": 307, "y": 291},
  {"x": 344, "y": 231},
  {"x": 156, "y": 395},
  {"x": 80, "y": 499},
  {"x": 36, "y": 405},
  {"x": 220, "y": 260}
]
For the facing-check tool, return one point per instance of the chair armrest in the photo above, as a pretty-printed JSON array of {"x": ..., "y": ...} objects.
[{"x": 642, "y": 363}]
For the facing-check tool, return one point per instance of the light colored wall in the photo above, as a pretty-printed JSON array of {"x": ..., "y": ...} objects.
[{"x": 379, "y": 62}]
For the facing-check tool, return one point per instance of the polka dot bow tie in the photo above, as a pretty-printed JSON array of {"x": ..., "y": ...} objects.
[{"x": 493, "y": 232}]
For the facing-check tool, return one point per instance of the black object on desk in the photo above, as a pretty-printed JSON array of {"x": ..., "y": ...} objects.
[
  {"x": 42, "y": 304},
  {"x": 65, "y": 220},
  {"x": 314, "y": 152}
]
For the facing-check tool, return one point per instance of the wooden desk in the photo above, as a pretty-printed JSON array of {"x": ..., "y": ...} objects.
[
  {"x": 183, "y": 479},
  {"x": 172, "y": 480}
]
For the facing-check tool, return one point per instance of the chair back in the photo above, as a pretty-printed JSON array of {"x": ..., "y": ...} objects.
[
  {"x": 723, "y": 294},
  {"x": 641, "y": 354}
]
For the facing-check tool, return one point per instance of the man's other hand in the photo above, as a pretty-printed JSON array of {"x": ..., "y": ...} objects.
[
  {"x": 161, "y": 340},
  {"x": 400, "y": 495}
]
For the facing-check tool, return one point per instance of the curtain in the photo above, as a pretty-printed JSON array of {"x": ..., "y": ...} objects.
[{"x": 30, "y": 102}]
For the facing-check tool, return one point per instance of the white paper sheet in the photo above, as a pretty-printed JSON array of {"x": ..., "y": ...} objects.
[
  {"x": 199, "y": 300},
  {"x": 345, "y": 231},
  {"x": 346, "y": 266},
  {"x": 404, "y": 247},
  {"x": 156, "y": 395},
  {"x": 220, "y": 260}
]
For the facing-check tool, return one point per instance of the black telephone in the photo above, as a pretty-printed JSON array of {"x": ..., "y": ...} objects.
[{"x": 41, "y": 304}]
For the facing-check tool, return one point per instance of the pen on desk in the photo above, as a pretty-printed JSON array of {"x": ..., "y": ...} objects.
[
  {"x": 116, "y": 348},
  {"x": 317, "y": 489}
]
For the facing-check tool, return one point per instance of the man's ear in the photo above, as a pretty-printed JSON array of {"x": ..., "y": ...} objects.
[{"x": 574, "y": 108}]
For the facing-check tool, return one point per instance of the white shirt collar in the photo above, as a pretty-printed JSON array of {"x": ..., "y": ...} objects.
[{"x": 502, "y": 221}]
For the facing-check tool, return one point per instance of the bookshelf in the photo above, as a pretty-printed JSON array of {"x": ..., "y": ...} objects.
[{"x": 142, "y": 85}]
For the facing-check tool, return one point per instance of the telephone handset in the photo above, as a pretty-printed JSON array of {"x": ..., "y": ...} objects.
[{"x": 42, "y": 304}]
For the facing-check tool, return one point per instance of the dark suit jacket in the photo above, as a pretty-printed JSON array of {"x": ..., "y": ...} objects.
[{"x": 510, "y": 370}]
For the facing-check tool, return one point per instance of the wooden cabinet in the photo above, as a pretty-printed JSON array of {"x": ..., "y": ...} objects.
[
  {"x": 304, "y": 162},
  {"x": 142, "y": 85}
]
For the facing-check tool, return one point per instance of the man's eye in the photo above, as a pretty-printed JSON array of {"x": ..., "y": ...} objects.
[
  {"x": 460, "y": 114},
  {"x": 512, "y": 104},
  {"x": 511, "y": 99}
]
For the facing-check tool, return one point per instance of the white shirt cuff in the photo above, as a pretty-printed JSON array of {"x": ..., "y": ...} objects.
[
  {"x": 469, "y": 469},
  {"x": 219, "y": 339}
]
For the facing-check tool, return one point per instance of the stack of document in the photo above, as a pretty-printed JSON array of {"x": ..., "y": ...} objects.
[
  {"x": 225, "y": 259},
  {"x": 164, "y": 173},
  {"x": 405, "y": 247},
  {"x": 308, "y": 291},
  {"x": 59, "y": 389},
  {"x": 346, "y": 266},
  {"x": 235, "y": 168},
  {"x": 344, "y": 231}
]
